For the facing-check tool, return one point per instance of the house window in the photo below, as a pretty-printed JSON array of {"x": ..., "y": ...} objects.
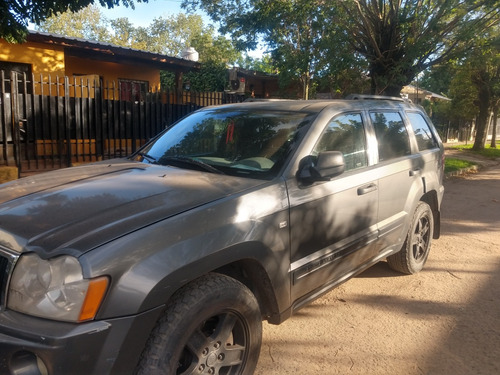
[
  {"x": 19, "y": 69},
  {"x": 133, "y": 90}
]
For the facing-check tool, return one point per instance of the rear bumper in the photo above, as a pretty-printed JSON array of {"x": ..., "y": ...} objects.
[{"x": 34, "y": 346}]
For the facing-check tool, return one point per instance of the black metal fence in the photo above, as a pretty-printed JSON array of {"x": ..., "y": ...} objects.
[{"x": 48, "y": 124}]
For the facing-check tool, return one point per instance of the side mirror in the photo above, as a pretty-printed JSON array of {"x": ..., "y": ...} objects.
[{"x": 324, "y": 167}]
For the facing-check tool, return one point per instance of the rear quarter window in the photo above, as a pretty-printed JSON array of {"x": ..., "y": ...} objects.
[{"x": 422, "y": 131}]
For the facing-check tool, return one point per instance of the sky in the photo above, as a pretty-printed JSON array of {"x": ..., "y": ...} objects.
[{"x": 144, "y": 13}]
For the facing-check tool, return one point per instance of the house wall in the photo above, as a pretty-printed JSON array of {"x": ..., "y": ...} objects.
[
  {"x": 43, "y": 60},
  {"x": 262, "y": 88},
  {"x": 110, "y": 71},
  {"x": 51, "y": 61}
]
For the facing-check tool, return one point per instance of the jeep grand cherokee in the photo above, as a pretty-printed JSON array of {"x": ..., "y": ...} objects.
[{"x": 167, "y": 262}]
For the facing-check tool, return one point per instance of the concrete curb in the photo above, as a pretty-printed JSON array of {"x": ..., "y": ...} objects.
[
  {"x": 481, "y": 162},
  {"x": 463, "y": 171}
]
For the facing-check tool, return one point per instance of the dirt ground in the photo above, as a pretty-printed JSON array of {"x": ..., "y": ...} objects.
[{"x": 444, "y": 320}]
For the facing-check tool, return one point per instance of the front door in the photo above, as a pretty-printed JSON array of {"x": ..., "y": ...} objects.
[{"x": 333, "y": 223}]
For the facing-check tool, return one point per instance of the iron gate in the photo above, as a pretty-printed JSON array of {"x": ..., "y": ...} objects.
[{"x": 50, "y": 123}]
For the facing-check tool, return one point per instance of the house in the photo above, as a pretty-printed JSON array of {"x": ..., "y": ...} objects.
[
  {"x": 417, "y": 94},
  {"x": 67, "y": 100},
  {"x": 133, "y": 71},
  {"x": 56, "y": 56},
  {"x": 253, "y": 83}
]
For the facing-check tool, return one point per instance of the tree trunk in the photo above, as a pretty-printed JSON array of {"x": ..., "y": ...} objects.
[
  {"x": 306, "y": 83},
  {"x": 493, "y": 143},
  {"x": 482, "y": 119},
  {"x": 384, "y": 83},
  {"x": 483, "y": 102}
]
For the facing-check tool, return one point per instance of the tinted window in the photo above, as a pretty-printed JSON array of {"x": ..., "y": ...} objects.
[
  {"x": 391, "y": 135},
  {"x": 346, "y": 134},
  {"x": 423, "y": 134}
]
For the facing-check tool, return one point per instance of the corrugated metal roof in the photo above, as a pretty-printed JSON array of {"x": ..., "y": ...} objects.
[{"x": 110, "y": 50}]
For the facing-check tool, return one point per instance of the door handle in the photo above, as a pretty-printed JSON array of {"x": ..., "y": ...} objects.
[{"x": 367, "y": 189}]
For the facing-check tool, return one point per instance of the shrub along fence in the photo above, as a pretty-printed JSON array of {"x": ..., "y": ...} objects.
[{"x": 47, "y": 124}]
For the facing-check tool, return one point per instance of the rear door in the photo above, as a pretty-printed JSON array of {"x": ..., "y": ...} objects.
[
  {"x": 333, "y": 223},
  {"x": 399, "y": 176}
]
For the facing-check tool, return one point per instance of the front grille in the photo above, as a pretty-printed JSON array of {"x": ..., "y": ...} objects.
[{"x": 7, "y": 261}]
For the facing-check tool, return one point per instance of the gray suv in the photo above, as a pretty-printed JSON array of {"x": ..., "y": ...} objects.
[{"x": 168, "y": 261}]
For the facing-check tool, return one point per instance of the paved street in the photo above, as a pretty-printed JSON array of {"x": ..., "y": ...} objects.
[{"x": 444, "y": 320}]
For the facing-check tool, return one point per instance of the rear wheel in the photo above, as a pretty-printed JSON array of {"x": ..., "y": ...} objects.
[
  {"x": 415, "y": 250},
  {"x": 211, "y": 326}
]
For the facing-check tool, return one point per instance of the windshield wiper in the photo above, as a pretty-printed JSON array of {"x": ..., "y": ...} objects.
[
  {"x": 149, "y": 158},
  {"x": 190, "y": 161}
]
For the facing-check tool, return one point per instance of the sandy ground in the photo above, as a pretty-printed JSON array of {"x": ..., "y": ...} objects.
[{"x": 444, "y": 320}]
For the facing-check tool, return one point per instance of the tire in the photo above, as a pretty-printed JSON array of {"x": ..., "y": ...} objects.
[
  {"x": 211, "y": 326},
  {"x": 415, "y": 250}
]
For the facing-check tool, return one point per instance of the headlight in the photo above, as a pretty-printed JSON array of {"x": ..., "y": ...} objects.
[{"x": 54, "y": 289}]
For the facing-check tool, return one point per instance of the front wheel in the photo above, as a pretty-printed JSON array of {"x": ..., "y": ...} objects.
[
  {"x": 212, "y": 326},
  {"x": 415, "y": 250}
]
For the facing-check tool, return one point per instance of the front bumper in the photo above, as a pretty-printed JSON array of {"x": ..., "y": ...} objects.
[{"x": 33, "y": 346}]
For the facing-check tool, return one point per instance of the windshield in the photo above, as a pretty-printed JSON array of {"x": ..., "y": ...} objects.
[{"x": 240, "y": 142}]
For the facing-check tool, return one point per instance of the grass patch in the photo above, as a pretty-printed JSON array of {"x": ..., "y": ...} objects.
[
  {"x": 453, "y": 165},
  {"x": 488, "y": 152}
]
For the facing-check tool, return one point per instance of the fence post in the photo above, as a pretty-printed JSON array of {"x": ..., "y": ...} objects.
[
  {"x": 15, "y": 121},
  {"x": 99, "y": 122},
  {"x": 3, "y": 120},
  {"x": 67, "y": 121}
]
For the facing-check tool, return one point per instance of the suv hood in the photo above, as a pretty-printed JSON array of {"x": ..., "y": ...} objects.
[{"x": 82, "y": 207}]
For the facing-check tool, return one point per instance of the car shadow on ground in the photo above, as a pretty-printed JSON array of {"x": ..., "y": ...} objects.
[{"x": 378, "y": 270}]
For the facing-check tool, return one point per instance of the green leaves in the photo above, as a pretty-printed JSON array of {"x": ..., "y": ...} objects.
[
  {"x": 165, "y": 35},
  {"x": 211, "y": 77},
  {"x": 401, "y": 38},
  {"x": 88, "y": 23},
  {"x": 17, "y": 13}
]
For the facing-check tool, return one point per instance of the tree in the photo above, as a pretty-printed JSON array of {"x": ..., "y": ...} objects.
[
  {"x": 398, "y": 38},
  {"x": 165, "y": 35},
  {"x": 211, "y": 77},
  {"x": 438, "y": 77},
  {"x": 475, "y": 88},
  {"x": 215, "y": 49},
  {"x": 170, "y": 35},
  {"x": 16, "y": 14},
  {"x": 495, "y": 90},
  {"x": 485, "y": 77},
  {"x": 88, "y": 23},
  {"x": 401, "y": 38},
  {"x": 263, "y": 64},
  {"x": 124, "y": 33},
  {"x": 463, "y": 94},
  {"x": 297, "y": 32}
]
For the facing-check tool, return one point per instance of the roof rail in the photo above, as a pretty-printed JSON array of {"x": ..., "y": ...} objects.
[
  {"x": 374, "y": 97},
  {"x": 265, "y": 100}
]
